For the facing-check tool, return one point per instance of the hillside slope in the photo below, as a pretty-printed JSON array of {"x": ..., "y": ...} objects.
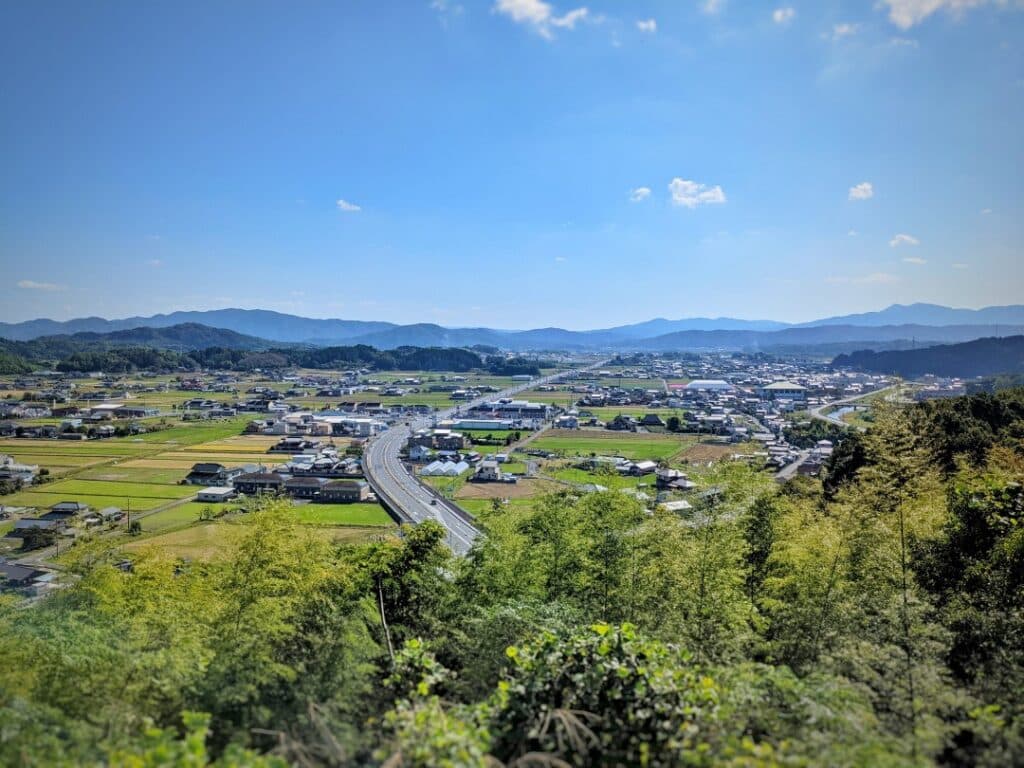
[{"x": 982, "y": 357}]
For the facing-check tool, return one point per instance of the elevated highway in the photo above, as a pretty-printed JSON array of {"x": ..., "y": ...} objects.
[{"x": 407, "y": 498}]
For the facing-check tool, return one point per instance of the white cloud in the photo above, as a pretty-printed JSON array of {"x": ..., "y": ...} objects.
[
  {"x": 650, "y": 25},
  {"x": 873, "y": 278},
  {"x": 155, "y": 263},
  {"x": 906, "y": 13},
  {"x": 691, "y": 194},
  {"x": 640, "y": 194},
  {"x": 845, "y": 29},
  {"x": 711, "y": 7},
  {"x": 783, "y": 15},
  {"x": 540, "y": 15},
  {"x": 560, "y": 258},
  {"x": 446, "y": 9},
  {"x": 915, "y": 260},
  {"x": 959, "y": 265},
  {"x": 347, "y": 207},
  {"x": 986, "y": 211},
  {"x": 568, "y": 21},
  {"x": 863, "y": 191},
  {"x": 899, "y": 240},
  {"x": 852, "y": 233},
  {"x": 32, "y": 285}
]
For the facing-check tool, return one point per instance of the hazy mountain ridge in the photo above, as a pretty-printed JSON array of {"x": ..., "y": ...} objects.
[
  {"x": 921, "y": 335},
  {"x": 928, "y": 314},
  {"x": 891, "y": 324},
  {"x": 261, "y": 323}
]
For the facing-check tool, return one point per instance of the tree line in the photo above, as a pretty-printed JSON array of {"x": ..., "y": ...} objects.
[{"x": 79, "y": 356}]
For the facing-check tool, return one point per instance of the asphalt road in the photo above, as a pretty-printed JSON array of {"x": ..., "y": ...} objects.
[
  {"x": 409, "y": 499},
  {"x": 819, "y": 412}
]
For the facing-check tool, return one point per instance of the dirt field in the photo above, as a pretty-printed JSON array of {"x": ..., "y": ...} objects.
[
  {"x": 708, "y": 452},
  {"x": 521, "y": 490}
]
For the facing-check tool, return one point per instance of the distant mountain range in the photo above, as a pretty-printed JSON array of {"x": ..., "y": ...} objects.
[
  {"x": 898, "y": 325},
  {"x": 981, "y": 357},
  {"x": 260, "y": 323}
]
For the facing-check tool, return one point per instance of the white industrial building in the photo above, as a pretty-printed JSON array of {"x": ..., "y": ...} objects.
[
  {"x": 216, "y": 494},
  {"x": 709, "y": 385}
]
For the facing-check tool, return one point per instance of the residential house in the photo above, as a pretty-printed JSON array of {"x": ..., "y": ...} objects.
[
  {"x": 344, "y": 492},
  {"x": 419, "y": 453},
  {"x": 65, "y": 510},
  {"x": 26, "y": 523},
  {"x": 12, "y": 470},
  {"x": 489, "y": 471},
  {"x": 253, "y": 483},
  {"x": 15, "y": 576},
  {"x": 211, "y": 474},
  {"x": 673, "y": 480},
  {"x": 294, "y": 445},
  {"x": 641, "y": 468},
  {"x": 305, "y": 487}
]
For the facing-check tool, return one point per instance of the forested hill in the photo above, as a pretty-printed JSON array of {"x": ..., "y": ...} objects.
[
  {"x": 184, "y": 337},
  {"x": 982, "y": 357},
  {"x": 875, "y": 618},
  {"x": 122, "y": 359},
  {"x": 191, "y": 346}
]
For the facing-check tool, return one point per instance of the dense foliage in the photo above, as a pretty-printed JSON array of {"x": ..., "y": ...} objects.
[
  {"x": 982, "y": 357},
  {"x": 82, "y": 356},
  {"x": 996, "y": 383},
  {"x": 12, "y": 364},
  {"x": 875, "y": 618},
  {"x": 515, "y": 366},
  {"x": 807, "y": 433},
  {"x": 125, "y": 359},
  {"x": 191, "y": 346}
]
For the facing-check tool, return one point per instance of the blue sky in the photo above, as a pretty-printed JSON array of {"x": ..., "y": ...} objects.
[{"x": 514, "y": 163}]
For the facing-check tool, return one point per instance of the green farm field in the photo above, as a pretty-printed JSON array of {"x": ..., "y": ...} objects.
[
  {"x": 605, "y": 443},
  {"x": 607, "y": 413},
  {"x": 174, "y": 517},
  {"x": 123, "y": 473},
  {"x": 343, "y": 514},
  {"x": 611, "y": 481},
  {"x": 73, "y": 487},
  {"x": 47, "y": 500}
]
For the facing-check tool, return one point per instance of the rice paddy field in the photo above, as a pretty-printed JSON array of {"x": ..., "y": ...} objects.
[
  {"x": 372, "y": 515},
  {"x": 630, "y": 445},
  {"x": 607, "y": 413},
  {"x": 144, "y": 474}
]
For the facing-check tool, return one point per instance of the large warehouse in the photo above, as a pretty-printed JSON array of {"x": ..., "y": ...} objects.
[{"x": 710, "y": 385}]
